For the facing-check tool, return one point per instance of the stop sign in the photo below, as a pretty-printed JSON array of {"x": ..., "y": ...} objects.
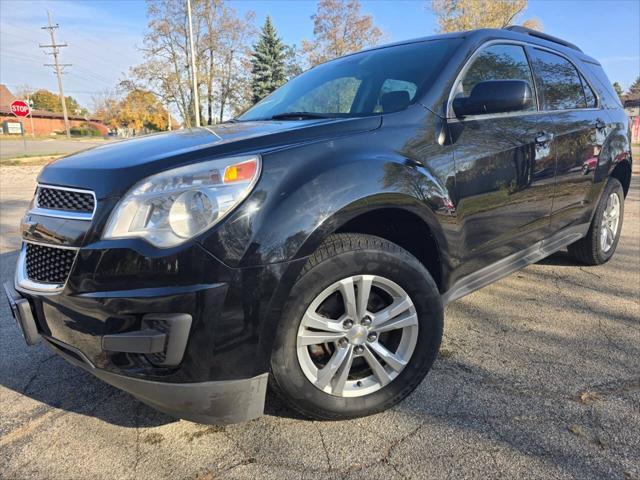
[{"x": 20, "y": 108}]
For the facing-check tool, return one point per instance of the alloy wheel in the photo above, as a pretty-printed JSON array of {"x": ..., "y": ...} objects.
[
  {"x": 357, "y": 336},
  {"x": 610, "y": 220}
]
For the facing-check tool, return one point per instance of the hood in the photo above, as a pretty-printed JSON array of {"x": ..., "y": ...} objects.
[{"x": 111, "y": 169}]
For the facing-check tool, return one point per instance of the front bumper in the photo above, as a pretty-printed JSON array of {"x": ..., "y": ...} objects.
[
  {"x": 100, "y": 322},
  {"x": 222, "y": 402}
]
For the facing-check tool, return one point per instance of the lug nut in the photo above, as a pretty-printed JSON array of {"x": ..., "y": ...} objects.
[
  {"x": 358, "y": 350},
  {"x": 343, "y": 342},
  {"x": 366, "y": 321},
  {"x": 347, "y": 323},
  {"x": 372, "y": 337}
]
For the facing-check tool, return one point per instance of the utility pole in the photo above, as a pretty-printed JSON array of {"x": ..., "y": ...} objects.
[
  {"x": 196, "y": 100},
  {"x": 57, "y": 65}
]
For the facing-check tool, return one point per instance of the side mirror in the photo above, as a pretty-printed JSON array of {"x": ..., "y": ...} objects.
[{"x": 494, "y": 96}]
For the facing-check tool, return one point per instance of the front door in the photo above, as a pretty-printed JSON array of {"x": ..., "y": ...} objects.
[{"x": 504, "y": 167}]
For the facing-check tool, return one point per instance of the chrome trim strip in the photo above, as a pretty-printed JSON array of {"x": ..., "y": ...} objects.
[
  {"x": 66, "y": 214},
  {"x": 52, "y": 245},
  {"x": 24, "y": 284},
  {"x": 48, "y": 212}
]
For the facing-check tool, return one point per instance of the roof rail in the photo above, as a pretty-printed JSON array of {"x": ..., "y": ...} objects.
[{"x": 543, "y": 36}]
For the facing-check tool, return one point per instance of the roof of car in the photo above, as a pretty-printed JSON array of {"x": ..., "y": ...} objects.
[{"x": 509, "y": 33}]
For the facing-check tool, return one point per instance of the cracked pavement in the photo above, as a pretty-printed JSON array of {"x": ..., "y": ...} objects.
[{"x": 538, "y": 377}]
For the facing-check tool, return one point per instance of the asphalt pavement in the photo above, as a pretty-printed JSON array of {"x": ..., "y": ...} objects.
[{"x": 538, "y": 377}]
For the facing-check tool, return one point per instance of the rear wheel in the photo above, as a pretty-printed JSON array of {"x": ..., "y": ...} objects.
[
  {"x": 361, "y": 329},
  {"x": 600, "y": 243}
]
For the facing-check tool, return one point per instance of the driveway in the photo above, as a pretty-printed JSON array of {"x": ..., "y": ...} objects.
[{"x": 538, "y": 377}]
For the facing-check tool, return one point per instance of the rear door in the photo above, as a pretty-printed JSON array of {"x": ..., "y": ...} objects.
[
  {"x": 504, "y": 177},
  {"x": 578, "y": 128}
]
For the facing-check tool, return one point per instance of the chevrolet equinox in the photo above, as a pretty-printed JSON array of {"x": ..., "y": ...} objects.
[{"x": 311, "y": 243}]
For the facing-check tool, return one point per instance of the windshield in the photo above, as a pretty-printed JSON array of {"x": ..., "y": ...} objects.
[{"x": 379, "y": 81}]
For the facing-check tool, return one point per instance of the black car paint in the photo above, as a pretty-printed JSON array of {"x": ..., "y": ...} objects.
[{"x": 317, "y": 176}]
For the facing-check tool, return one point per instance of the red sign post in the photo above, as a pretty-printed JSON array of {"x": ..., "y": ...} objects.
[{"x": 21, "y": 109}]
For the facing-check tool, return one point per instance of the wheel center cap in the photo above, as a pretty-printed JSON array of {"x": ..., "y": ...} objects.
[{"x": 357, "y": 335}]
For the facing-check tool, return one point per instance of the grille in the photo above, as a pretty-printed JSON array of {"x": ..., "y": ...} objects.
[
  {"x": 48, "y": 264},
  {"x": 65, "y": 200}
]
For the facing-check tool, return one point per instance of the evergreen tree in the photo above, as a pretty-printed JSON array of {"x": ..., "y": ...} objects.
[
  {"x": 634, "y": 90},
  {"x": 268, "y": 62}
]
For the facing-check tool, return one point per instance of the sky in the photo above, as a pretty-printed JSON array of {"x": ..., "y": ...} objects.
[{"x": 104, "y": 36}]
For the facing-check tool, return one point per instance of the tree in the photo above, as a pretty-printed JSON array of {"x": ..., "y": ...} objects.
[
  {"x": 106, "y": 105},
  {"x": 234, "y": 60},
  {"x": 293, "y": 66},
  {"x": 618, "y": 89},
  {"x": 141, "y": 109},
  {"x": 49, "y": 101},
  {"x": 339, "y": 28},
  {"x": 460, "y": 15},
  {"x": 221, "y": 39},
  {"x": 268, "y": 63},
  {"x": 46, "y": 100},
  {"x": 634, "y": 90}
]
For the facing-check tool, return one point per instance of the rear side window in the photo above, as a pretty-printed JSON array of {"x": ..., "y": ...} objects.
[
  {"x": 600, "y": 81},
  {"x": 559, "y": 83},
  {"x": 590, "y": 97},
  {"x": 497, "y": 62}
]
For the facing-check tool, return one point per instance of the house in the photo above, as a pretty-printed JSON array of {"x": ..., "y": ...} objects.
[
  {"x": 41, "y": 122},
  {"x": 632, "y": 108}
]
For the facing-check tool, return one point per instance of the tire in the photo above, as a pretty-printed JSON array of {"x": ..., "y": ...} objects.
[
  {"x": 592, "y": 250},
  {"x": 349, "y": 260}
]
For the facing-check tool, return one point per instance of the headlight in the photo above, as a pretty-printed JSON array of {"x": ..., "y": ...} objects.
[{"x": 173, "y": 206}]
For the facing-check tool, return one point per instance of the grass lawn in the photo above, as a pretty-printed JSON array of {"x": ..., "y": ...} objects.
[{"x": 35, "y": 159}]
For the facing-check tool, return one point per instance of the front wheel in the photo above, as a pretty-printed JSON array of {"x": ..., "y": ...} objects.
[
  {"x": 361, "y": 329},
  {"x": 600, "y": 243}
]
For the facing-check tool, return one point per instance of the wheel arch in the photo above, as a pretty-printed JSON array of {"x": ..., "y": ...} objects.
[
  {"x": 407, "y": 230},
  {"x": 622, "y": 172}
]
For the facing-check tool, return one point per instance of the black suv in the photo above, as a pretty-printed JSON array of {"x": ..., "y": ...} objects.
[{"x": 312, "y": 242}]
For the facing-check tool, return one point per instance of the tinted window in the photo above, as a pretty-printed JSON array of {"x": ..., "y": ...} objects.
[
  {"x": 352, "y": 85},
  {"x": 589, "y": 96},
  {"x": 336, "y": 95},
  {"x": 497, "y": 62},
  {"x": 608, "y": 97},
  {"x": 393, "y": 85},
  {"x": 560, "y": 85}
]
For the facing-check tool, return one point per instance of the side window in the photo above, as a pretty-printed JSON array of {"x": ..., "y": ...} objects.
[
  {"x": 590, "y": 97},
  {"x": 560, "y": 85},
  {"x": 334, "y": 96},
  {"x": 497, "y": 62},
  {"x": 393, "y": 85}
]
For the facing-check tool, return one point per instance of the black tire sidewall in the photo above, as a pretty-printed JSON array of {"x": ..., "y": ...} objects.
[{"x": 401, "y": 268}]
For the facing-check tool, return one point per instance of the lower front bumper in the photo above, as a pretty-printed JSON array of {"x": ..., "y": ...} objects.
[{"x": 219, "y": 402}]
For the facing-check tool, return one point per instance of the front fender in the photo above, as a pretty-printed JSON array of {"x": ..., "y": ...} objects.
[{"x": 295, "y": 207}]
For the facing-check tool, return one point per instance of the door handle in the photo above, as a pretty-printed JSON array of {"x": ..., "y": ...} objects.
[
  {"x": 600, "y": 124},
  {"x": 544, "y": 137}
]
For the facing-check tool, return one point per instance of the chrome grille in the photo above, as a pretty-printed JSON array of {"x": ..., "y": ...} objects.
[
  {"x": 65, "y": 199},
  {"x": 45, "y": 264}
]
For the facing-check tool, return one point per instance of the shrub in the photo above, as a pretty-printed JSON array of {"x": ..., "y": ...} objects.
[{"x": 85, "y": 130}]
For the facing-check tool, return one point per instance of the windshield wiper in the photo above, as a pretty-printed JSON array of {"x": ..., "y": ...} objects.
[{"x": 301, "y": 115}]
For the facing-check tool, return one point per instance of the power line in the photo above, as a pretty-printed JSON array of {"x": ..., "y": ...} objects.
[{"x": 55, "y": 51}]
